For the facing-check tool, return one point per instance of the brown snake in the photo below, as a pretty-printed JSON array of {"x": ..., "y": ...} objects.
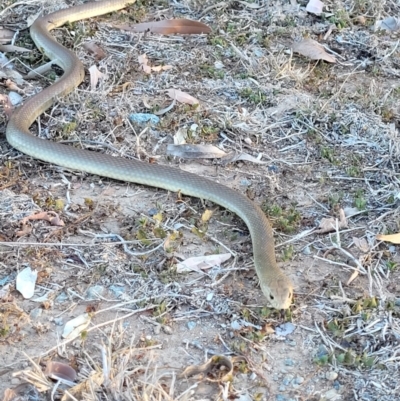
[{"x": 275, "y": 285}]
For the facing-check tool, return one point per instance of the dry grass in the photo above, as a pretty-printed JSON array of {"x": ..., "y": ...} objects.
[{"x": 329, "y": 134}]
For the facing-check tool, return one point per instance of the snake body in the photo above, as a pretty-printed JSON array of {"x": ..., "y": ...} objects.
[{"x": 275, "y": 285}]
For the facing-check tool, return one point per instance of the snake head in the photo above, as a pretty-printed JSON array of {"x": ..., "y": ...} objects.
[{"x": 279, "y": 292}]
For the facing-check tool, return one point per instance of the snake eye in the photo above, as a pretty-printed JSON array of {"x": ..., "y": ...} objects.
[{"x": 271, "y": 296}]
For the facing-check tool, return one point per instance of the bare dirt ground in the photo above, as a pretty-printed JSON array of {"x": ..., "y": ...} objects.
[{"x": 329, "y": 136}]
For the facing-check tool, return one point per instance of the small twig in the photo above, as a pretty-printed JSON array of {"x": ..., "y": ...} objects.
[{"x": 122, "y": 241}]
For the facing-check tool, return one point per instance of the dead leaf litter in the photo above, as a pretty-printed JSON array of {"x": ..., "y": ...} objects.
[{"x": 307, "y": 94}]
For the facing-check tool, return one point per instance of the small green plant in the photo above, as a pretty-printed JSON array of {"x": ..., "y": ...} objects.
[
  {"x": 328, "y": 154},
  {"x": 210, "y": 133},
  {"x": 286, "y": 220},
  {"x": 341, "y": 19},
  {"x": 335, "y": 327},
  {"x": 218, "y": 41},
  {"x": 322, "y": 360},
  {"x": 391, "y": 265},
  {"x": 288, "y": 253},
  {"x": 69, "y": 127},
  {"x": 213, "y": 72},
  {"x": 359, "y": 200},
  {"x": 353, "y": 171},
  {"x": 254, "y": 96}
]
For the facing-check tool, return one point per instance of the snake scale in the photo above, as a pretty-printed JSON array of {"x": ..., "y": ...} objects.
[{"x": 275, "y": 285}]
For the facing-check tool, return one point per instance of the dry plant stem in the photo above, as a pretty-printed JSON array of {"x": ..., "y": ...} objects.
[{"x": 123, "y": 242}]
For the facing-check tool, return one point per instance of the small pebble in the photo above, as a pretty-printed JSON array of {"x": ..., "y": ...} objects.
[
  {"x": 280, "y": 397},
  {"x": 273, "y": 169},
  {"x": 62, "y": 297},
  {"x": 142, "y": 118},
  {"x": 298, "y": 380},
  {"x": 191, "y": 325},
  {"x": 95, "y": 292},
  {"x": 153, "y": 211},
  {"x": 285, "y": 329},
  {"x": 58, "y": 321},
  {"x": 210, "y": 296},
  {"x": 157, "y": 329},
  {"x": 117, "y": 290},
  {"x": 331, "y": 376},
  {"x": 15, "y": 98},
  {"x": 35, "y": 313},
  {"x": 289, "y": 362},
  {"x": 235, "y": 325},
  {"x": 287, "y": 379}
]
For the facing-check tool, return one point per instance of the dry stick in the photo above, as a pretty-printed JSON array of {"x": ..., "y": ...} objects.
[
  {"x": 126, "y": 249},
  {"x": 332, "y": 262}
]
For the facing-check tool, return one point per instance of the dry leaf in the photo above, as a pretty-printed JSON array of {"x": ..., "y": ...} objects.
[
  {"x": 206, "y": 215},
  {"x": 389, "y": 24},
  {"x": 182, "y": 97},
  {"x": 13, "y": 49},
  {"x": 56, "y": 370},
  {"x": 361, "y": 244},
  {"x": 51, "y": 217},
  {"x": 74, "y": 327},
  {"x": 313, "y": 50},
  {"x": 96, "y": 50},
  {"x": 315, "y": 7},
  {"x": 144, "y": 63},
  {"x": 187, "y": 151},
  {"x": 328, "y": 225},
  {"x": 5, "y": 293},
  {"x": 26, "y": 230},
  {"x": 168, "y": 27},
  {"x": 393, "y": 238},
  {"x": 12, "y": 86},
  {"x": 25, "y": 282},
  {"x": 6, "y": 35},
  {"x": 95, "y": 76},
  {"x": 198, "y": 263},
  {"x": 180, "y": 136}
]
